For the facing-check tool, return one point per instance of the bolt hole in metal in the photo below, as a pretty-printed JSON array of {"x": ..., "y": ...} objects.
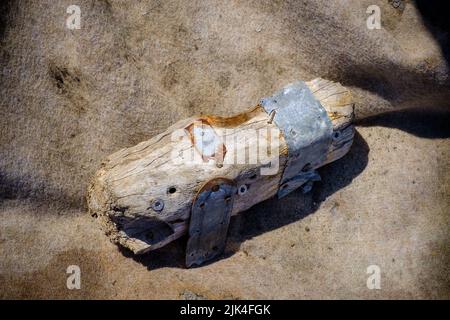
[
  {"x": 158, "y": 205},
  {"x": 336, "y": 135},
  {"x": 293, "y": 132},
  {"x": 242, "y": 189},
  {"x": 215, "y": 188}
]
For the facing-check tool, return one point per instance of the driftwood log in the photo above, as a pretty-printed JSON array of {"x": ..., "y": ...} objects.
[{"x": 143, "y": 198}]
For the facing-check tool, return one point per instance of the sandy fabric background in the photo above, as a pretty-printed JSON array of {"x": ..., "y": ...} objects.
[{"x": 71, "y": 97}]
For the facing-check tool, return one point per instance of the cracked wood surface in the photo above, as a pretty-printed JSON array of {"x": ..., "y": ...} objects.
[{"x": 133, "y": 184}]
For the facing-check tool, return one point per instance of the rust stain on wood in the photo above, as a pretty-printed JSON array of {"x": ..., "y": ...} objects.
[{"x": 233, "y": 121}]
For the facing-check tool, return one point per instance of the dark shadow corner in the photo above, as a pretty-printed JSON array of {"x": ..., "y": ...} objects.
[
  {"x": 435, "y": 16},
  {"x": 5, "y": 8},
  {"x": 431, "y": 124}
]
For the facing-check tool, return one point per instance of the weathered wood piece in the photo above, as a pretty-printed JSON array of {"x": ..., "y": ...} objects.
[{"x": 143, "y": 195}]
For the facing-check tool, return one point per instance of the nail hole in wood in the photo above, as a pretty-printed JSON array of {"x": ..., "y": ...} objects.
[{"x": 171, "y": 190}]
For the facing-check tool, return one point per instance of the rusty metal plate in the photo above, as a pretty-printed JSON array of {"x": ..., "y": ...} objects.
[{"x": 210, "y": 217}]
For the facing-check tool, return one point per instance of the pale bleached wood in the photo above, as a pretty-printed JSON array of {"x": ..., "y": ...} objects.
[
  {"x": 338, "y": 102},
  {"x": 130, "y": 180}
]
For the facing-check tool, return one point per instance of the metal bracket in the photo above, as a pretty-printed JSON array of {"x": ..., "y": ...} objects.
[
  {"x": 303, "y": 179},
  {"x": 210, "y": 217},
  {"x": 307, "y": 130}
]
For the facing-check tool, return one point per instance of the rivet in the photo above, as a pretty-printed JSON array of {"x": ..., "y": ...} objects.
[{"x": 158, "y": 205}]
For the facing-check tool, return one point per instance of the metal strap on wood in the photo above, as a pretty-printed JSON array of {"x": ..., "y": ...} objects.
[
  {"x": 210, "y": 217},
  {"x": 307, "y": 130}
]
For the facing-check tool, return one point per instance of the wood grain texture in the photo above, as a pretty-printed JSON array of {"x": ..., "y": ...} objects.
[{"x": 127, "y": 192}]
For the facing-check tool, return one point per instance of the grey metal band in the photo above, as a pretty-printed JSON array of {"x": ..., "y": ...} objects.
[
  {"x": 210, "y": 217},
  {"x": 307, "y": 130}
]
